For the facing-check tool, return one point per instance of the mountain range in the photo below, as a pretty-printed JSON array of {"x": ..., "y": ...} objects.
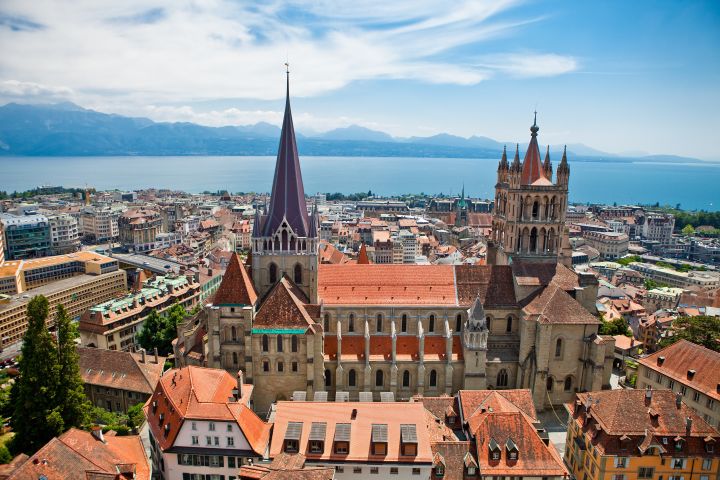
[{"x": 65, "y": 129}]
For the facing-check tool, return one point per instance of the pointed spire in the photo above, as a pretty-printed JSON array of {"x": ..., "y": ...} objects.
[
  {"x": 532, "y": 165},
  {"x": 236, "y": 287},
  {"x": 516, "y": 161},
  {"x": 564, "y": 168},
  {"x": 363, "y": 258},
  {"x": 288, "y": 195},
  {"x": 547, "y": 165},
  {"x": 503, "y": 165}
]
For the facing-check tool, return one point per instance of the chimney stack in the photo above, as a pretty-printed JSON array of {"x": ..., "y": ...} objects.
[
  {"x": 240, "y": 385},
  {"x": 97, "y": 433},
  {"x": 688, "y": 426},
  {"x": 648, "y": 395},
  {"x": 678, "y": 400},
  {"x": 155, "y": 351},
  {"x": 142, "y": 355}
]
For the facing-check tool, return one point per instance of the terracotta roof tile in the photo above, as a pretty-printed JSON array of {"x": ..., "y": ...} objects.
[
  {"x": 555, "y": 305},
  {"x": 121, "y": 370},
  {"x": 284, "y": 307},
  {"x": 236, "y": 287}
]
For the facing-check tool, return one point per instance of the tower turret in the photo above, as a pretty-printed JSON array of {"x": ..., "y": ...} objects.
[
  {"x": 563, "y": 171},
  {"x": 547, "y": 165},
  {"x": 475, "y": 337}
]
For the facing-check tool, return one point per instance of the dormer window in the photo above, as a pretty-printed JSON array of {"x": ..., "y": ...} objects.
[
  {"x": 408, "y": 440},
  {"x": 154, "y": 406},
  {"x": 341, "y": 441},
  {"x": 291, "y": 442},
  {"x": 167, "y": 429},
  {"x": 379, "y": 438},
  {"x": 494, "y": 450},
  {"x": 161, "y": 418},
  {"x": 317, "y": 437},
  {"x": 512, "y": 450}
]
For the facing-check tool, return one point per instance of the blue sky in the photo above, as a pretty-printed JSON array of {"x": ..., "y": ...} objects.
[{"x": 640, "y": 76}]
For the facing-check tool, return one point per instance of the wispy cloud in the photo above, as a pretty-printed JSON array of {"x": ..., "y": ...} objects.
[{"x": 164, "y": 52}]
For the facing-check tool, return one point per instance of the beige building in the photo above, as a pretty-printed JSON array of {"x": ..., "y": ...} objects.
[
  {"x": 99, "y": 224},
  {"x": 296, "y": 325},
  {"x": 64, "y": 234},
  {"x": 690, "y": 370},
  {"x": 77, "y": 294},
  {"x": 610, "y": 245},
  {"x": 116, "y": 381},
  {"x": 139, "y": 229},
  {"x": 662, "y": 298},
  {"x": 673, "y": 278}
]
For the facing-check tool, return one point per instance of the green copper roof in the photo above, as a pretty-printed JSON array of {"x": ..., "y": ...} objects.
[{"x": 278, "y": 330}]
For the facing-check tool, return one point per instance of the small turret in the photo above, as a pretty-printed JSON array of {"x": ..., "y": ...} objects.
[
  {"x": 563, "y": 171},
  {"x": 547, "y": 165},
  {"x": 476, "y": 332},
  {"x": 503, "y": 166}
]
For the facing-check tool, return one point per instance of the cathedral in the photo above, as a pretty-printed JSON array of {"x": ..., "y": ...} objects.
[{"x": 354, "y": 331}]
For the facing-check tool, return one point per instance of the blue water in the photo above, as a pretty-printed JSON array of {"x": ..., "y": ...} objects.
[{"x": 693, "y": 186}]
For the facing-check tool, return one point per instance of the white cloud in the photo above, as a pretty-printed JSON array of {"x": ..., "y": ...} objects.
[{"x": 126, "y": 56}]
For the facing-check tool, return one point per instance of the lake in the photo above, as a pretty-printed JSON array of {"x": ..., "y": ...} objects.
[{"x": 692, "y": 185}]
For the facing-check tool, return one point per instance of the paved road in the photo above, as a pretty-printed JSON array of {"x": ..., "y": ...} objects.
[{"x": 555, "y": 422}]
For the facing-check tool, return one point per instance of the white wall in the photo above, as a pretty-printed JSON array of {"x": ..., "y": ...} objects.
[{"x": 184, "y": 437}]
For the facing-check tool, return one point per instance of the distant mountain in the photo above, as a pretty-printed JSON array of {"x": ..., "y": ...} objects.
[{"x": 66, "y": 129}]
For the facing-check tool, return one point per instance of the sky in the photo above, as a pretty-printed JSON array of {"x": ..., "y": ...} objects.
[{"x": 623, "y": 77}]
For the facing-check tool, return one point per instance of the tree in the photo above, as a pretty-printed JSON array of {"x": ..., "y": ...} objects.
[
  {"x": 36, "y": 418},
  {"x": 702, "y": 330},
  {"x": 71, "y": 395},
  {"x": 617, "y": 326},
  {"x": 149, "y": 336},
  {"x": 160, "y": 330},
  {"x": 688, "y": 230}
]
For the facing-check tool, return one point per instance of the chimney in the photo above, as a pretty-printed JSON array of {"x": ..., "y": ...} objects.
[
  {"x": 648, "y": 395},
  {"x": 353, "y": 414},
  {"x": 97, "y": 433},
  {"x": 660, "y": 360},
  {"x": 209, "y": 272},
  {"x": 690, "y": 374},
  {"x": 678, "y": 400},
  {"x": 239, "y": 385},
  {"x": 688, "y": 426},
  {"x": 157, "y": 360},
  {"x": 142, "y": 355}
]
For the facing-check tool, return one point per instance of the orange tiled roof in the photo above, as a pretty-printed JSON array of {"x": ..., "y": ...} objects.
[
  {"x": 555, "y": 305},
  {"x": 474, "y": 401},
  {"x": 391, "y": 414},
  {"x": 284, "y": 307},
  {"x": 121, "y": 370},
  {"x": 683, "y": 356},
  {"x": 202, "y": 393},
  {"x": 236, "y": 287}
]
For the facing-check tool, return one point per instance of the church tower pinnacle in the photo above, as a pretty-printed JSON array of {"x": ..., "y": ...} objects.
[{"x": 285, "y": 237}]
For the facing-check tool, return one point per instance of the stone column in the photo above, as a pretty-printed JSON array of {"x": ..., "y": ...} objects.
[
  {"x": 339, "y": 377},
  {"x": 421, "y": 355}
]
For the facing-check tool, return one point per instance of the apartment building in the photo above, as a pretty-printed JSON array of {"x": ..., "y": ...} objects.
[
  {"x": 691, "y": 371},
  {"x": 674, "y": 278},
  {"x": 139, "y": 229},
  {"x": 662, "y": 298},
  {"x": 116, "y": 381},
  {"x": 202, "y": 426},
  {"x": 77, "y": 294},
  {"x": 64, "y": 234},
  {"x": 114, "y": 324},
  {"x": 26, "y": 236},
  {"x": 656, "y": 226},
  {"x": 639, "y": 434},
  {"x": 610, "y": 245},
  {"x": 99, "y": 224}
]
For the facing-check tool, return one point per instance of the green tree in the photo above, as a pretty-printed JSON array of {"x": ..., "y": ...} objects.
[
  {"x": 702, "y": 330},
  {"x": 136, "y": 416},
  {"x": 5, "y": 455},
  {"x": 617, "y": 326},
  {"x": 160, "y": 330},
  {"x": 36, "y": 417},
  {"x": 71, "y": 395},
  {"x": 149, "y": 336},
  {"x": 688, "y": 230}
]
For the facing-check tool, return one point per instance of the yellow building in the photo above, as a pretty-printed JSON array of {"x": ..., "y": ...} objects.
[
  {"x": 77, "y": 294},
  {"x": 639, "y": 435}
]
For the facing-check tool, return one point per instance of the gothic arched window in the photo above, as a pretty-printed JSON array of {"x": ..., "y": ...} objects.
[
  {"x": 558, "y": 348},
  {"x": 378, "y": 324},
  {"x": 233, "y": 333},
  {"x": 458, "y": 322},
  {"x": 406, "y": 379},
  {"x": 502, "y": 378},
  {"x": 265, "y": 343},
  {"x": 235, "y": 358},
  {"x": 433, "y": 378},
  {"x": 297, "y": 276},
  {"x": 379, "y": 378},
  {"x": 431, "y": 324},
  {"x": 403, "y": 323},
  {"x": 508, "y": 326},
  {"x": 328, "y": 378},
  {"x": 326, "y": 324},
  {"x": 273, "y": 273},
  {"x": 351, "y": 323}
]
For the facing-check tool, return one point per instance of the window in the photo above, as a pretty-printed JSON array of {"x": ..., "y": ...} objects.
[
  {"x": 379, "y": 378},
  {"x": 195, "y": 440},
  {"x": 696, "y": 397},
  {"x": 352, "y": 378},
  {"x": 440, "y": 471},
  {"x": 229, "y": 427},
  {"x": 683, "y": 390},
  {"x": 707, "y": 463},
  {"x": 316, "y": 446},
  {"x": 558, "y": 348},
  {"x": 294, "y": 366},
  {"x": 211, "y": 426},
  {"x": 619, "y": 476},
  {"x": 279, "y": 343},
  {"x": 620, "y": 462},
  {"x": 403, "y": 324},
  {"x": 568, "y": 384},
  {"x": 357, "y": 469},
  {"x": 294, "y": 343},
  {"x": 431, "y": 324},
  {"x": 233, "y": 333},
  {"x": 433, "y": 378},
  {"x": 496, "y": 455},
  {"x": 273, "y": 273},
  {"x": 280, "y": 367},
  {"x": 351, "y": 323},
  {"x": 671, "y": 383},
  {"x": 471, "y": 470},
  {"x": 328, "y": 378},
  {"x": 194, "y": 425},
  {"x": 393, "y": 470},
  {"x": 508, "y": 326},
  {"x": 230, "y": 442},
  {"x": 208, "y": 440},
  {"x": 415, "y": 471},
  {"x": 297, "y": 276},
  {"x": 458, "y": 322},
  {"x": 266, "y": 366},
  {"x": 265, "y": 343},
  {"x": 488, "y": 321},
  {"x": 291, "y": 446},
  {"x": 658, "y": 377},
  {"x": 341, "y": 448},
  {"x": 378, "y": 323},
  {"x": 549, "y": 384},
  {"x": 374, "y": 470},
  {"x": 235, "y": 358},
  {"x": 217, "y": 441},
  {"x": 678, "y": 463},
  {"x": 502, "y": 378},
  {"x": 406, "y": 379},
  {"x": 326, "y": 324},
  {"x": 710, "y": 403}
]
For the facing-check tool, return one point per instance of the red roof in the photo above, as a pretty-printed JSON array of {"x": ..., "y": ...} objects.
[
  {"x": 363, "y": 256},
  {"x": 284, "y": 307},
  {"x": 532, "y": 169},
  {"x": 236, "y": 287}
]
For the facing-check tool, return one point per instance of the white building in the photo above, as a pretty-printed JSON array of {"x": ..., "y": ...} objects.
[
  {"x": 99, "y": 224},
  {"x": 64, "y": 234},
  {"x": 201, "y": 424}
]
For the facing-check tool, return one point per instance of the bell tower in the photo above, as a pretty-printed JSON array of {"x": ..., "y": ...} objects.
[
  {"x": 529, "y": 216},
  {"x": 285, "y": 237}
]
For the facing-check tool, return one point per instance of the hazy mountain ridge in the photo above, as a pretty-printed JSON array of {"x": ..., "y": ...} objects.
[{"x": 69, "y": 130}]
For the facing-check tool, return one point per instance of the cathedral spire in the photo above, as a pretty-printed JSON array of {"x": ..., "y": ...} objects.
[
  {"x": 503, "y": 161},
  {"x": 516, "y": 161},
  {"x": 547, "y": 165},
  {"x": 532, "y": 166},
  {"x": 287, "y": 202}
]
